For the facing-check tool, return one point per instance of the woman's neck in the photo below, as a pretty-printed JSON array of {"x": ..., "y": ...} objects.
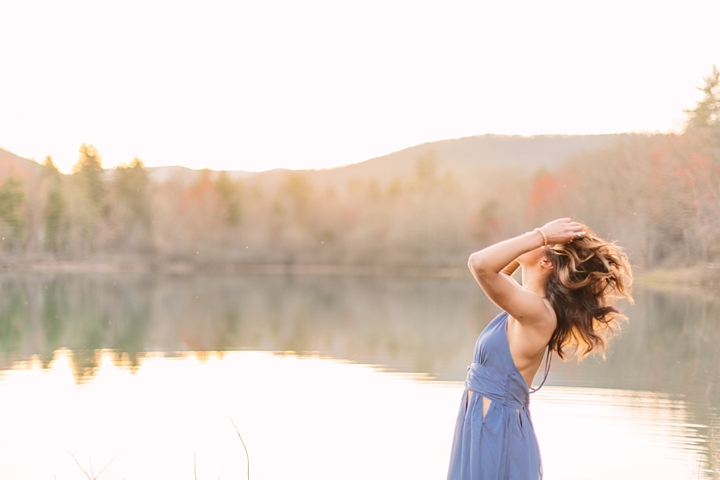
[{"x": 534, "y": 281}]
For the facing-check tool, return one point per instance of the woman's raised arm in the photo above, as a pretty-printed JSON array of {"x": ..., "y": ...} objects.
[{"x": 492, "y": 265}]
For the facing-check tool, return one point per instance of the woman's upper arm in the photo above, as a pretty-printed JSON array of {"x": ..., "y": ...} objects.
[{"x": 522, "y": 305}]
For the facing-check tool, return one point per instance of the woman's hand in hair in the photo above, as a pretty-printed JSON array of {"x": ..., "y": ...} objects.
[{"x": 562, "y": 230}]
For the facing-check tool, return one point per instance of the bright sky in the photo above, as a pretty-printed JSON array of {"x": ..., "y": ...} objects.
[{"x": 255, "y": 85}]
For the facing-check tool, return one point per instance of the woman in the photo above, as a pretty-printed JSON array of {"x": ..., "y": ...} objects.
[{"x": 570, "y": 281}]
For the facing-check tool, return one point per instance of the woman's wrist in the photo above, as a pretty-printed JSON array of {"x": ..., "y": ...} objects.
[
  {"x": 493, "y": 259},
  {"x": 544, "y": 237}
]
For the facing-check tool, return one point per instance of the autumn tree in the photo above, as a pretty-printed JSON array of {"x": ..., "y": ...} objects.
[
  {"x": 229, "y": 191},
  {"x": 297, "y": 188},
  {"x": 201, "y": 217}
]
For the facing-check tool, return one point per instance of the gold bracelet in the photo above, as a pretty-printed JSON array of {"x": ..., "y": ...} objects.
[{"x": 544, "y": 237}]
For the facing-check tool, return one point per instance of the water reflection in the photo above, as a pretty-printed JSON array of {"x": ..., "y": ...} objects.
[
  {"x": 306, "y": 417},
  {"x": 409, "y": 325},
  {"x": 300, "y": 418},
  {"x": 425, "y": 326},
  {"x": 617, "y": 434}
]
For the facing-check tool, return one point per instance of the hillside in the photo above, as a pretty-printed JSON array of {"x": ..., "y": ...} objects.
[
  {"x": 472, "y": 154},
  {"x": 466, "y": 158},
  {"x": 12, "y": 165}
]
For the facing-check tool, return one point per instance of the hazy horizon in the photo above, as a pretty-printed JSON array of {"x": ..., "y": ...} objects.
[
  {"x": 241, "y": 86},
  {"x": 40, "y": 161}
]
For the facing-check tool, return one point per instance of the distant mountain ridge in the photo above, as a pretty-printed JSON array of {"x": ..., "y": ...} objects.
[
  {"x": 470, "y": 154},
  {"x": 460, "y": 156},
  {"x": 467, "y": 159}
]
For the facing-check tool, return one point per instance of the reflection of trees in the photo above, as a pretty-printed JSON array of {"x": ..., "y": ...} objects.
[
  {"x": 13, "y": 316},
  {"x": 52, "y": 324},
  {"x": 43, "y": 313},
  {"x": 409, "y": 324},
  {"x": 355, "y": 318},
  {"x": 426, "y": 325},
  {"x": 669, "y": 345},
  {"x": 416, "y": 324}
]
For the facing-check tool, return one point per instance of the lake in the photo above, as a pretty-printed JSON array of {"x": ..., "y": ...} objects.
[{"x": 145, "y": 376}]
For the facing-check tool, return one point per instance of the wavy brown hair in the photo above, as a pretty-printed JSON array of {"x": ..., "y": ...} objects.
[{"x": 589, "y": 276}]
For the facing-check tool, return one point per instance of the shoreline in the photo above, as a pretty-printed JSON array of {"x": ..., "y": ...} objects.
[
  {"x": 680, "y": 277},
  {"x": 659, "y": 278},
  {"x": 231, "y": 268}
]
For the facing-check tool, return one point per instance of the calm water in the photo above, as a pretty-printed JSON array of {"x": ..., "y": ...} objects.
[{"x": 325, "y": 378}]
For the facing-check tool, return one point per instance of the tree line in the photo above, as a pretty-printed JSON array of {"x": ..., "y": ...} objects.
[{"x": 659, "y": 195}]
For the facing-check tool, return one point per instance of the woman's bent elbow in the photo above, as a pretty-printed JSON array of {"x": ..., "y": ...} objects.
[{"x": 477, "y": 264}]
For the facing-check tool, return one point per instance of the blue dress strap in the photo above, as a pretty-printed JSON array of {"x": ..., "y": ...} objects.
[{"x": 548, "y": 361}]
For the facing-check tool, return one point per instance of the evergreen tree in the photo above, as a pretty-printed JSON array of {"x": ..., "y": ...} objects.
[
  {"x": 89, "y": 170},
  {"x": 88, "y": 206},
  {"x": 55, "y": 205},
  {"x": 12, "y": 199},
  {"x": 705, "y": 117},
  {"x": 131, "y": 187}
]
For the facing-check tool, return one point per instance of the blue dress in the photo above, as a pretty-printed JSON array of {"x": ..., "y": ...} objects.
[{"x": 501, "y": 446}]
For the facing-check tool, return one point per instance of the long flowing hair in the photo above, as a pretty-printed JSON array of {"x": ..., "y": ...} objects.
[{"x": 589, "y": 276}]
